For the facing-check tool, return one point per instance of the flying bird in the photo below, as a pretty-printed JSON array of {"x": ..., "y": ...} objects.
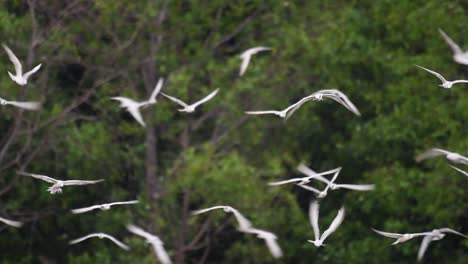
[
  {"x": 450, "y": 156},
  {"x": 19, "y": 77},
  {"x": 459, "y": 170},
  {"x": 321, "y": 194},
  {"x": 11, "y": 222},
  {"x": 101, "y": 206},
  {"x": 313, "y": 216},
  {"x": 445, "y": 84},
  {"x": 400, "y": 238},
  {"x": 329, "y": 93},
  {"x": 436, "y": 234},
  {"x": 246, "y": 55},
  {"x": 305, "y": 180},
  {"x": 157, "y": 244},
  {"x": 23, "y": 105},
  {"x": 57, "y": 185},
  {"x": 101, "y": 236},
  {"x": 459, "y": 56},
  {"x": 243, "y": 222},
  {"x": 133, "y": 107},
  {"x": 191, "y": 108},
  {"x": 270, "y": 240}
]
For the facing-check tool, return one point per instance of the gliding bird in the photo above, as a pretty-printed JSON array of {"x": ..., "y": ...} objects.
[
  {"x": 57, "y": 184},
  {"x": 445, "y": 84},
  {"x": 101, "y": 206},
  {"x": 101, "y": 236},
  {"x": 191, "y": 108},
  {"x": 459, "y": 56},
  {"x": 19, "y": 77},
  {"x": 313, "y": 217},
  {"x": 450, "y": 156},
  {"x": 23, "y": 105},
  {"x": 154, "y": 241},
  {"x": 246, "y": 55},
  {"x": 400, "y": 237},
  {"x": 436, "y": 234}
]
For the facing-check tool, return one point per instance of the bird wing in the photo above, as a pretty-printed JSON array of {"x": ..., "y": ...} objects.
[
  {"x": 78, "y": 240},
  {"x": 11, "y": 222},
  {"x": 161, "y": 253},
  {"x": 206, "y": 99},
  {"x": 80, "y": 182},
  {"x": 14, "y": 60},
  {"x": 333, "y": 179},
  {"x": 455, "y": 48},
  {"x": 124, "y": 202},
  {"x": 31, "y": 72},
  {"x": 357, "y": 187},
  {"x": 342, "y": 99},
  {"x": 286, "y": 181},
  {"x": 26, "y": 105},
  {"x": 460, "y": 81},
  {"x": 387, "y": 234},
  {"x": 263, "y": 112},
  {"x": 156, "y": 90},
  {"x": 424, "y": 244},
  {"x": 459, "y": 170},
  {"x": 449, "y": 230},
  {"x": 38, "y": 176},
  {"x": 274, "y": 247},
  {"x": 438, "y": 75},
  {"x": 244, "y": 223},
  {"x": 140, "y": 232},
  {"x": 312, "y": 174},
  {"x": 293, "y": 108},
  {"x": 255, "y": 50},
  {"x": 312, "y": 189},
  {"x": 431, "y": 154},
  {"x": 201, "y": 211},
  {"x": 84, "y": 209},
  {"x": 175, "y": 100},
  {"x": 124, "y": 101},
  {"x": 135, "y": 112},
  {"x": 244, "y": 64},
  {"x": 117, "y": 242},
  {"x": 335, "y": 224},
  {"x": 313, "y": 218}
]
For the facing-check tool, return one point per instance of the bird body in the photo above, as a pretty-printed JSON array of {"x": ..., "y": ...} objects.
[{"x": 19, "y": 77}]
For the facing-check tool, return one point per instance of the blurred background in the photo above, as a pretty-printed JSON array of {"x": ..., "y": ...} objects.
[{"x": 93, "y": 50}]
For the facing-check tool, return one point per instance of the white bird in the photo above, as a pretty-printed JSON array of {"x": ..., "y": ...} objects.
[
  {"x": 133, "y": 107},
  {"x": 304, "y": 180},
  {"x": 270, "y": 240},
  {"x": 400, "y": 237},
  {"x": 459, "y": 170},
  {"x": 101, "y": 236},
  {"x": 58, "y": 184},
  {"x": 191, "y": 108},
  {"x": 23, "y": 105},
  {"x": 436, "y": 234},
  {"x": 19, "y": 77},
  {"x": 322, "y": 194},
  {"x": 157, "y": 244},
  {"x": 329, "y": 93},
  {"x": 243, "y": 222},
  {"x": 450, "y": 156},
  {"x": 459, "y": 56},
  {"x": 313, "y": 217},
  {"x": 445, "y": 84},
  {"x": 246, "y": 55},
  {"x": 101, "y": 206},
  {"x": 11, "y": 222}
]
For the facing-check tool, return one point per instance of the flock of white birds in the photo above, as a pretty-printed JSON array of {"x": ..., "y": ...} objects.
[{"x": 244, "y": 225}]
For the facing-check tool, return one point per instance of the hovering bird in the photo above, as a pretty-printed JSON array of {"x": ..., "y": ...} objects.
[
  {"x": 100, "y": 235},
  {"x": 313, "y": 216},
  {"x": 445, "y": 84},
  {"x": 101, "y": 206},
  {"x": 23, "y": 105},
  {"x": 270, "y": 240},
  {"x": 243, "y": 222},
  {"x": 246, "y": 55},
  {"x": 450, "y": 156},
  {"x": 57, "y": 184},
  {"x": 154, "y": 241},
  {"x": 133, "y": 107},
  {"x": 191, "y": 108},
  {"x": 436, "y": 234},
  {"x": 400, "y": 237},
  {"x": 330, "y": 93},
  {"x": 459, "y": 56},
  {"x": 19, "y": 77},
  {"x": 459, "y": 170},
  {"x": 11, "y": 222},
  {"x": 305, "y": 180}
]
